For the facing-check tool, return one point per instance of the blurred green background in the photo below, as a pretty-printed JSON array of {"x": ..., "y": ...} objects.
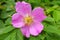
[{"x": 51, "y": 23}]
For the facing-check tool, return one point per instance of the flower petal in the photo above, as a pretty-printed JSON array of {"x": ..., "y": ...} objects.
[
  {"x": 25, "y": 31},
  {"x": 38, "y": 14},
  {"x": 17, "y": 20},
  {"x": 36, "y": 28},
  {"x": 23, "y": 7}
]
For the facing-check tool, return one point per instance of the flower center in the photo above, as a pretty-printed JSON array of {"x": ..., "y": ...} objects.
[{"x": 28, "y": 20}]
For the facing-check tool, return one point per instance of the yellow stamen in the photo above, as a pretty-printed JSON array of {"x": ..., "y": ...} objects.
[{"x": 28, "y": 20}]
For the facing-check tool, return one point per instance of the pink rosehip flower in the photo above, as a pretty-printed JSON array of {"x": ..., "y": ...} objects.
[{"x": 28, "y": 20}]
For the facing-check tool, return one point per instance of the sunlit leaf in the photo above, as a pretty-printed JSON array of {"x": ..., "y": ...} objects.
[{"x": 56, "y": 15}]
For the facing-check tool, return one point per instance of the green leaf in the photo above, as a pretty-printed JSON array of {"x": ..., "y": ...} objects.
[
  {"x": 6, "y": 30},
  {"x": 51, "y": 36},
  {"x": 34, "y": 3},
  {"x": 11, "y": 36},
  {"x": 15, "y": 35},
  {"x": 9, "y": 8},
  {"x": 9, "y": 5},
  {"x": 8, "y": 21},
  {"x": 52, "y": 28},
  {"x": 56, "y": 2},
  {"x": 12, "y": 2},
  {"x": 1, "y": 24},
  {"x": 3, "y": 36},
  {"x": 51, "y": 9},
  {"x": 5, "y": 14},
  {"x": 19, "y": 35},
  {"x": 49, "y": 19},
  {"x": 56, "y": 15},
  {"x": 39, "y": 37}
]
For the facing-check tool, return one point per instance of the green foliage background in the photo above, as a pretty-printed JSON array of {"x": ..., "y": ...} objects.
[{"x": 51, "y": 23}]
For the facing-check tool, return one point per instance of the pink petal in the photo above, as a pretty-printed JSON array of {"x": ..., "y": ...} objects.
[
  {"x": 17, "y": 20},
  {"x": 23, "y": 7},
  {"x": 25, "y": 31},
  {"x": 36, "y": 28},
  {"x": 38, "y": 14}
]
